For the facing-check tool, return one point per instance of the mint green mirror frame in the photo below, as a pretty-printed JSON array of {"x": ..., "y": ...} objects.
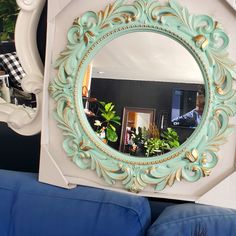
[{"x": 202, "y": 37}]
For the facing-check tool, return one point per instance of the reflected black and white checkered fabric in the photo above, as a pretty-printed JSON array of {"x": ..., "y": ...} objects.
[{"x": 10, "y": 63}]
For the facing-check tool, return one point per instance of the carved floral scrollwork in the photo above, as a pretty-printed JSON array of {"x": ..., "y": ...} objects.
[
  {"x": 207, "y": 42},
  {"x": 28, "y": 5}
]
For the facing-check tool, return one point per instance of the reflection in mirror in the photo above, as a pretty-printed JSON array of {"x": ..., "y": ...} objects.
[
  {"x": 134, "y": 70},
  {"x": 11, "y": 71},
  {"x": 135, "y": 122},
  {"x": 187, "y": 107}
]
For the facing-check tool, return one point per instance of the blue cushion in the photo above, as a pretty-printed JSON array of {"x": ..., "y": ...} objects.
[
  {"x": 9, "y": 184},
  {"x": 6, "y": 201},
  {"x": 194, "y": 219},
  {"x": 42, "y": 210}
]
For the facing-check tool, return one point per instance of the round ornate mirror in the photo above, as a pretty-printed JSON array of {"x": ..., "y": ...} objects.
[
  {"x": 135, "y": 79},
  {"x": 202, "y": 37}
]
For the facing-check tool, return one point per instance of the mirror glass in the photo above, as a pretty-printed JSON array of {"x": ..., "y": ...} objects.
[
  {"x": 143, "y": 94},
  {"x": 11, "y": 71}
]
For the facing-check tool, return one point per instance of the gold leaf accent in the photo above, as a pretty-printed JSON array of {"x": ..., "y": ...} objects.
[
  {"x": 171, "y": 180},
  {"x": 78, "y": 34},
  {"x": 116, "y": 19},
  {"x": 128, "y": 19},
  {"x": 201, "y": 40},
  {"x": 179, "y": 174},
  {"x": 154, "y": 17},
  {"x": 206, "y": 172},
  {"x": 105, "y": 26},
  {"x": 120, "y": 165},
  {"x": 125, "y": 15},
  {"x": 76, "y": 20},
  {"x": 195, "y": 153},
  {"x": 204, "y": 160},
  {"x": 86, "y": 39},
  {"x": 205, "y": 43},
  {"x": 107, "y": 9},
  {"x": 220, "y": 91},
  {"x": 86, "y": 148},
  {"x": 168, "y": 14},
  {"x": 91, "y": 33},
  {"x": 192, "y": 156},
  {"x": 217, "y": 25},
  {"x": 101, "y": 14},
  {"x": 110, "y": 8},
  {"x": 68, "y": 103}
]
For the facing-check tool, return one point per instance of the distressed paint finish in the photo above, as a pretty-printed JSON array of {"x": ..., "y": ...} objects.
[{"x": 202, "y": 37}]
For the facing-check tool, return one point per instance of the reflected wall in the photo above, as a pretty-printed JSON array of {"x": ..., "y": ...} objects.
[{"x": 145, "y": 94}]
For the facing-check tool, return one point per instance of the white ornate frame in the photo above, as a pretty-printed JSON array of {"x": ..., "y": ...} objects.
[
  {"x": 18, "y": 118},
  {"x": 51, "y": 172}
]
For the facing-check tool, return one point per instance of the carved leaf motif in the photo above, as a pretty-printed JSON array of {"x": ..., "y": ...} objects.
[
  {"x": 192, "y": 156},
  {"x": 171, "y": 179},
  {"x": 179, "y": 174}
]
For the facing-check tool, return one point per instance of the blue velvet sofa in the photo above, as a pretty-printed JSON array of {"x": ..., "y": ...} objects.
[{"x": 30, "y": 208}]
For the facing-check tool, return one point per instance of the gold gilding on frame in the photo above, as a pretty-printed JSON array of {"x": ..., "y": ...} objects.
[
  {"x": 179, "y": 174},
  {"x": 195, "y": 168},
  {"x": 201, "y": 41},
  {"x": 68, "y": 103},
  {"x": 192, "y": 156},
  {"x": 220, "y": 90},
  {"x": 168, "y": 14},
  {"x": 204, "y": 160},
  {"x": 205, "y": 43},
  {"x": 206, "y": 172},
  {"x": 217, "y": 25}
]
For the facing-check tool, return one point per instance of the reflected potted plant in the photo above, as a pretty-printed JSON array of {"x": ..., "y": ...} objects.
[
  {"x": 138, "y": 139},
  {"x": 151, "y": 143},
  {"x": 107, "y": 122},
  {"x": 167, "y": 141}
]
